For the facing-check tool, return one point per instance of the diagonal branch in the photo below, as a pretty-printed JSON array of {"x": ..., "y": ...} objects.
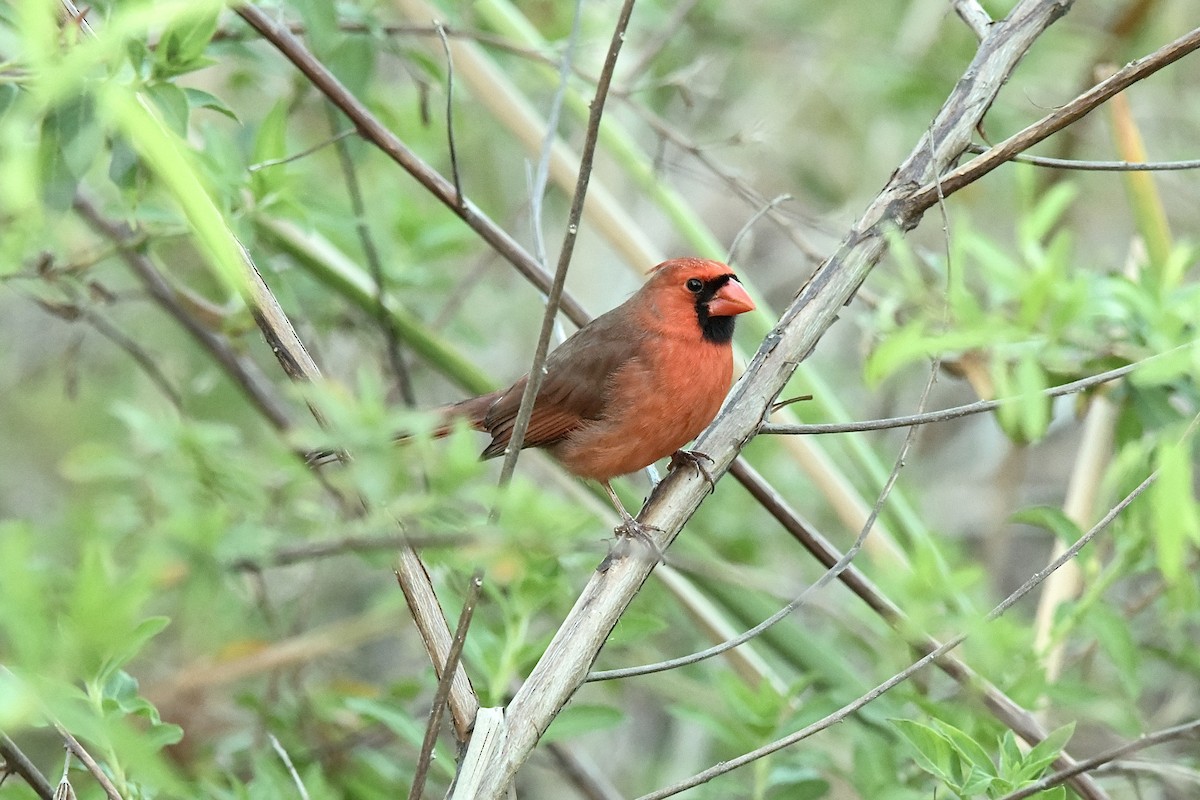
[{"x": 374, "y": 131}]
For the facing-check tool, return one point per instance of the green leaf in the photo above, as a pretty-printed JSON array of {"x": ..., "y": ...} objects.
[
  {"x": 1044, "y": 754},
  {"x": 1115, "y": 635},
  {"x": 934, "y": 753},
  {"x": 1027, "y": 417},
  {"x": 1175, "y": 517},
  {"x": 1050, "y": 518},
  {"x": 796, "y": 783},
  {"x": 198, "y": 98},
  {"x": 69, "y": 144},
  {"x": 181, "y": 47},
  {"x": 171, "y": 103},
  {"x": 580, "y": 718},
  {"x": 967, "y": 748},
  {"x": 131, "y": 644}
]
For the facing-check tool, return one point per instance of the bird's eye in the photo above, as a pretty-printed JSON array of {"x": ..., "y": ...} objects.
[{"x": 694, "y": 285}]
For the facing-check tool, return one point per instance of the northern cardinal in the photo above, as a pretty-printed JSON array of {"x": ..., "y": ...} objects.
[{"x": 632, "y": 386}]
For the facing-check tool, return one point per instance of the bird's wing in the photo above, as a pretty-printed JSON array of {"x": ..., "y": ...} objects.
[{"x": 575, "y": 389}]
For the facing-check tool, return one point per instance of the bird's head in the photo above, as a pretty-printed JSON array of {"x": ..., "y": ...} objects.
[{"x": 700, "y": 292}]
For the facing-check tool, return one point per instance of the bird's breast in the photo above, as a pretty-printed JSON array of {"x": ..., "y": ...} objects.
[{"x": 655, "y": 404}]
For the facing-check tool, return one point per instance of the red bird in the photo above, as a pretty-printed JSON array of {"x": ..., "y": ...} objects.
[{"x": 633, "y": 385}]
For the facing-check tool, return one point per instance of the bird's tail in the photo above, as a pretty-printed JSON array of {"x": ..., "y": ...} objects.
[{"x": 472, "y": 411}]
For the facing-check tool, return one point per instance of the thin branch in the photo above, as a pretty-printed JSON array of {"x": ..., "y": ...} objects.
[
  {"x": 745, "y": 229},
  {"x": 1140, "y": 743},
  {"x": 978, "y": 407},
  {"x": 591, "y": 782},
  {"x": 449, "y": 669},
  {"x": 1060, "y": 118},
  {"x": 287, "y": 762},
  {"x": 102, "y": 326},
  {"x": 404, "y": 29},
  {"x": 16, "y": 762},
  {"x": 1001, "y": 706},
  {"x": 308, "y": 151},
  {"x": 310, "y": 551},
  {"x": 75, "y": 748},
  {"x": 244, "y": 373},
  {"x": 1096, "y": 166},
  {"x": 64, "y": 790},
  {"x": 850, "y": 708},
  {"x": 375, "y": 266},
  {"x": 555, "y": 296},
  {"x": 458, "y": 195},
  {"x": 374, "y": 131},
  {"x": 541, "y": 177}
]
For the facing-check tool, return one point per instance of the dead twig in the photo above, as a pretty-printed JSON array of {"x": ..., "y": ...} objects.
[
  {"x": 76, "y": 749},
  {"x": 443, "y": 689},
  {"x": 555, "y": 296},
  {"x": 17, "y": 763}
]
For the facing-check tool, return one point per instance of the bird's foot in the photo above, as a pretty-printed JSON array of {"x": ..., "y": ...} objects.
[
  {"x": 628, "y": 531},
  {"x": 696, "y": 459}
]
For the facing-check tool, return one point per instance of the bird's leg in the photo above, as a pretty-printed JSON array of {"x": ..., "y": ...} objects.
[
  {"x": 632, "y": 528},
  {"x": 696, "y": 459}
]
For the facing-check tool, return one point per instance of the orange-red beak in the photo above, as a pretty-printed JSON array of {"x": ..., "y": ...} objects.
[{"x": 730, "y": 300}]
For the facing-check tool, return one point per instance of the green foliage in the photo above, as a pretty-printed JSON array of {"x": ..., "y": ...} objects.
[
  {"x": 968, "y": 769},
  {"x": 176, "y": 584}
]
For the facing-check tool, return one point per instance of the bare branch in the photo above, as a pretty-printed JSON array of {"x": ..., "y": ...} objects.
[
  {"x": 745, "y": 229},
  {"x": 1096, "y": 166},
  {"x": 245, "y": 374},
  {"x": 555, "y": 296},
  {"x": 309, "y": 551},
  {"x": 375, "y": 132},
  {"x": 383, "y": 319},
  {"x": 449, "y": 669},
  {"x": 1061, "y": 117},
  {"x": 287, "y": 762},
  {"x": 978, "y": 407},
  {"x": 75, "y": 748},
  {"x": 458, "y": 195},
  {"x": 16, "y": 762}
]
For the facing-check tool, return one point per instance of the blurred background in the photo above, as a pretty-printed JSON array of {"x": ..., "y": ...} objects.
[{"x": 175, "y": 584}]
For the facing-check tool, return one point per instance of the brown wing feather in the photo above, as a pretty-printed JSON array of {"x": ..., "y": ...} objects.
[{"x": 576, "y": 387}]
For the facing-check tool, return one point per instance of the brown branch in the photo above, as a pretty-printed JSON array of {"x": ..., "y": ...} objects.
[
  {"x": 1097, "y": 166},
  {"x": 1058, "y": 119},
  {"x": 1000, "y": 705},
  {"x": 554, "y": 297},
  {"x": 444, "y": 683},
  {"x": 310, "y": 551},
  {"x": 374, "y": 131},
  {"x": 374, "y": 266},
  {"x": 75, "y": 748},
  {"x": 957, "y": 412},
  {"x": 17, "y": 763},
  {"x": 242, "y": 371}
]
